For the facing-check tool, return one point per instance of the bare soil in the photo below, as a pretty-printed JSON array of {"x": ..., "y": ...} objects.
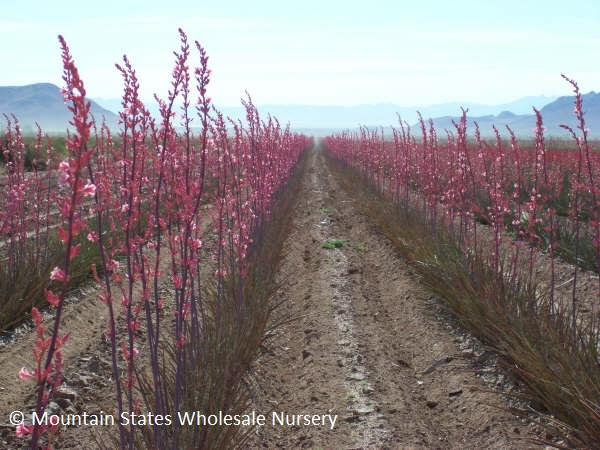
[
  {"x": 87, "y": 385},
  {"x": 353, "y": 336}
]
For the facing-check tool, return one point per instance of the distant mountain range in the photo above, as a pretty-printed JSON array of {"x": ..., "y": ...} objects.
[
  {"x": 322, "y": 120},
  {"x": 518, "y": 115},
  {"x": 383, "y": 113},
  {"x": 43, "y": 103},
  {"x": 554, "y": 114}
]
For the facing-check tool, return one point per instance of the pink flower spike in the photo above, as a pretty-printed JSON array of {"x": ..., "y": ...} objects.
[
  {"x": 24, "y": 374},
  {"x": 58, "y": 274}
]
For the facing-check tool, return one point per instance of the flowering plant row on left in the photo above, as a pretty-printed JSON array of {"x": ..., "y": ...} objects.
[{"x": 149, "y": 199}]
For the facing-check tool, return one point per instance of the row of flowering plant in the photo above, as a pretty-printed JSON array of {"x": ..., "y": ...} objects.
[
  {"x": 548, "y": 199},
  {"x": 149, "y": 198}
]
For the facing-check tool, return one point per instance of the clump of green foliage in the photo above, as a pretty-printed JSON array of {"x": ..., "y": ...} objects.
[{"x": 331, "y": 244}]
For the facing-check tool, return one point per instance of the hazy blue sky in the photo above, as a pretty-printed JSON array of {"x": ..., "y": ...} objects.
[{"x": 316, "y": 52}]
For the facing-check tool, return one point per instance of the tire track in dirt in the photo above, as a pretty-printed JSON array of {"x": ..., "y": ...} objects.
[{"x": 359, "y": 341}]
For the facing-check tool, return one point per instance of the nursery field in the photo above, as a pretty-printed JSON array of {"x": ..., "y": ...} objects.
[
  {"x": 357, "y": 340},
  {"x": 191, "y": 281}
]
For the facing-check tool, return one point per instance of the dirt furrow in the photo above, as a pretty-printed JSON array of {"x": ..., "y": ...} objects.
[
  {"x": 359, "y": 341},
  {"x": 369, "y": 429}
]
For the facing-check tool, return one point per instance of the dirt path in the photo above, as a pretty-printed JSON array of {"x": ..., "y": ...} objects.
[{"x": 362, "y": 346}]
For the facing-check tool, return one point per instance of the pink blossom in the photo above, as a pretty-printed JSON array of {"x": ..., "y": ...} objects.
[
  {"x": 89, "y": 190},
  {"x": 58, "y": 274},
  {"x": 64, "y": 172},
  {"x": 24, "y": 374},
  {"x": 52, "y": 298},
  {"x": 22, "y": 430}
]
